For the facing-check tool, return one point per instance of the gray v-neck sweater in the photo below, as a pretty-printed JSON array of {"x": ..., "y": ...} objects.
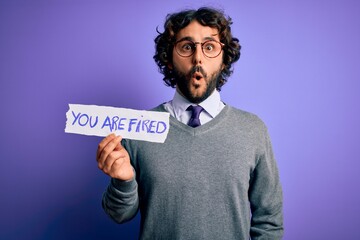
[{"x": 216, "y": 181}]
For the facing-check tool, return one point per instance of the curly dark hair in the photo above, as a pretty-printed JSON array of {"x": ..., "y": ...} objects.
[{"x": 207, "y": 17}]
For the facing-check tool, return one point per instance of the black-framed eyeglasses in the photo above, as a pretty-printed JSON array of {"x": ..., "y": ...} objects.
[{"x": 210, "y": 48}]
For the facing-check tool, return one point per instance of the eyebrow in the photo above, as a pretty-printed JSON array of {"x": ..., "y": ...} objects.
[{"x": 191, "y": 39}]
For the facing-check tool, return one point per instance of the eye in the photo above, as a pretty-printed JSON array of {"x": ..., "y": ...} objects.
[
  {"x": 209, "y": 46},
  {"x": 187, "y": 47}
]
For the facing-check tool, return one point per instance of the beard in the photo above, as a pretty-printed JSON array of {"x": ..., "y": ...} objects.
[{"x": 183, "y": 83}]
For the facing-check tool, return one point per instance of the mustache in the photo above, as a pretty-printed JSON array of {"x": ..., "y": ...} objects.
[{"x": 197, "y": 69}]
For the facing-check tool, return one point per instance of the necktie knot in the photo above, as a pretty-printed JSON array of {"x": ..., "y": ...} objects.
[{"x": 195, "y": 113}]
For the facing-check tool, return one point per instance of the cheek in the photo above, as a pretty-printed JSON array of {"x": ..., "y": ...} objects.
[
  {"x": 181, "y": 64},
  {"x": 176, "y": 59},
  {"x": 216, "y": 67}
]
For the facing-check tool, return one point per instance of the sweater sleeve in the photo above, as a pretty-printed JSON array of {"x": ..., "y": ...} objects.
[
  {"x": 120, "y": 200},
  {"x": 265, "y": 195}
]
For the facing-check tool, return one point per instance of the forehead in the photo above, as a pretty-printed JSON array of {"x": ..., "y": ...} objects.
[{"x": 197, "y": 32}]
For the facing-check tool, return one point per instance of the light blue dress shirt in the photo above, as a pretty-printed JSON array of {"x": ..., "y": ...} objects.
[{"x": 178, "y": 105}]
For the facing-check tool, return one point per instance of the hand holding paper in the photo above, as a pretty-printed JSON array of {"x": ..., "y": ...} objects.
[{"x": 113, "y": 159}]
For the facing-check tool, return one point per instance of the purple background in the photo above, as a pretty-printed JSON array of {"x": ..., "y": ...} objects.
[{"x": 299, "y": 71}]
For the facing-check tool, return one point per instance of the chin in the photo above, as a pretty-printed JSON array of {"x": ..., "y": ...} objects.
[
  {"x": 196, "y": 94},
  {"x": 196, "y": 98}
]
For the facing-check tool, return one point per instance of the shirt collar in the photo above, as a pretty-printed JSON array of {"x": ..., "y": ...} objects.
[{"x": 210, "y": 105}]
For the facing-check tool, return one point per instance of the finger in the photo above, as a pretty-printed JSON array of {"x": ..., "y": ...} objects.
[
  {"x": 110, "y": 147},
  {"x": 113, "y": 157},
  {"x": 103, "y": 143},
  {"x": 119, "y": 146}
]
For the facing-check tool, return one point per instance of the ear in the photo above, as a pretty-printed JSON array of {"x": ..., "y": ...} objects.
[{"x": 170, "y": 66}]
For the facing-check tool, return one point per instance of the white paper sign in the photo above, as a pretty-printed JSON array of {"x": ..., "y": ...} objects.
[{"x": 133, "y": 124}]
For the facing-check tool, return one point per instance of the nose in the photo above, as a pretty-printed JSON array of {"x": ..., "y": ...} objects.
[{"x": 198, "y": 54}]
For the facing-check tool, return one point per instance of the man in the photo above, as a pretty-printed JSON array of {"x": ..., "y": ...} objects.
[{"x": 215, "y": 176}]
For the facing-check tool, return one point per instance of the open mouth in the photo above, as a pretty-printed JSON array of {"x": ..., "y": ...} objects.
[{"x": 197, "y": 76}]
